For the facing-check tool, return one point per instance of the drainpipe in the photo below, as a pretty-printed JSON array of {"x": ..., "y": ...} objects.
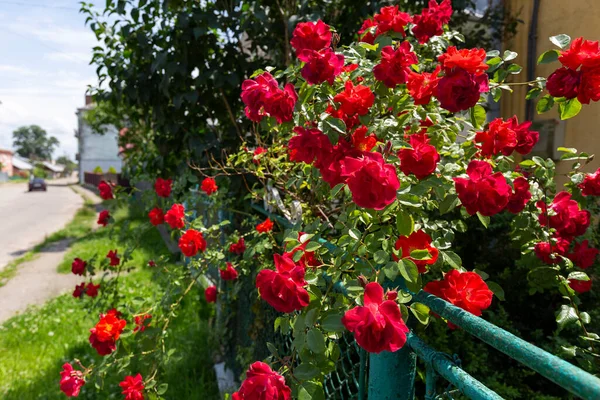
[{"x": 532, "y": 55}]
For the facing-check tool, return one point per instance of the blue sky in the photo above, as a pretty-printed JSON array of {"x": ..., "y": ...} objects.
[{"x": 45, "y": 49}]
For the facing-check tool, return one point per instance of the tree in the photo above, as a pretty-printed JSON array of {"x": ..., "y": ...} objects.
[
  {"x": 33, "y": 142},
  {"x": 66, "y": 161}
]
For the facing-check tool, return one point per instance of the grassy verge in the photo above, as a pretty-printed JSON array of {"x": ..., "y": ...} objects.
[{"x": 78, "y": 227}]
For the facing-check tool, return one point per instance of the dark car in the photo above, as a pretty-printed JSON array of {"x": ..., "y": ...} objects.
[{"x": 37, "y": 184}]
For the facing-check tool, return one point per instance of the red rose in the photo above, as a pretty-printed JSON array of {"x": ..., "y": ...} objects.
[
  {"x": 391, "y": 295},
  {"x": 229, "y": 273},
  {"x": 349, "y": 68},
  {"x": 254, "y": 92},
  {"x": 283, "y": 289},
  {"x": 140, "y": 322},
  {"x": 583, "y": 256},
  {"x": 321, "y": 66},
  {"x": 311, "y": 36},
  {"x": 394, "y": 66},
  {"x": 580, "y": 286},
  {"x": 163, "y": 187},
  {"x": 418, "y": 240},
  {"x": 591, "y": 184},
  {"x": 71, "y": 380},
  {"x": 567, "y": 218},
  {"x": 589, "y": 87},
  {"x": 308, "y": 258},
  {"x": 265, "y": 226},
  {"x": 499, "y": 138},
  {"x": 209, "y": 186},
  {"x": 106, "y": 332},
  {"x": 175, "y": 216},
  {"x": 133, "y": 387},
  {"x": 350, "y": 120},
  {"x": 581, "y": 53},
  {"x": 519, "y": 198},
  {"x": 105, "y": 190},
  {"x": 152, "y": 263},
  {"x": 378, "y": 324},
  {"x": 238, "y": 248},
  {"x": 114, "y": 259},
  {"x": 547, "y": 252},
  {"x": 422, "y": 159},
  {"x": 390, "y": 18},
  {"x": 563, "y": 82},
  {"x": 308, "y": 144},
  {"x": 431, "y": 20},
  {"x": 103, "y": 217},
  {"x": 92, "y": 290},
  {"x": 210, "y": 294},
  {"x": 526, "y": 139},
  {"x": 422, "y": 86},
  {"x": 280, "y": 104},
  {"x": 483, "y": 192},
  {"x": 79, "y": 290},
  {"x": 469, "y": 60},
  {"x": 367, "y": 31},
  {"x": 355, "y": 99},
  {"x": 361, "y": 141},
  {"x": 191, "y": 242},
  {"x": 373, "y": 183},
  {"x": 262, "y": 383},
  {"x": 156, "y": 216},
  {"x": 256, "y": 155},
  {"x": 463, "y": 289},
  {"x": 78, "y": 266},
  {"x": 460, "y": 90},
  {"x": 330, "y": 165}
]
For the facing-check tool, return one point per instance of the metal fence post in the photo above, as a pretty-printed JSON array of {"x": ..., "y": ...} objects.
[{"x": 392, "y": 375}]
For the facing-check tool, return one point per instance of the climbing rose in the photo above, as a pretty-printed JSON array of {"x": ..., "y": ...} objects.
[
  {"x": 591, "y": 184},
  {"x": 156, "y": 216},
  {"x": 103, "y": 217},
  {"x": 152, "y": 263},
  {"x": 114, "y": 259},
  {"x": 564, "y": 82},
  {"x": 421, "y": 160},
  {"x": 133, "y": 387},
  {"x": 311, "y": 36},
  {"x": 564, "y": 215},
  {"x": 330, "y": 165},
  {"x": 175, "y": 216},
  {"x": 209, "y": 186},
  {"x": 418, "y": 240},
  {"x": 391, "y": 295},
  {"x": 321, "y": 66},
  {"x": 71, "y": 380},
  {"x": 355, "y": 99},
  {"x": 105, "y": 191},
  {"x": 422, "y": 86},
  {"x": 256, "y": 155},
  {"x": 308, "y": 258},
  {"x": 106, "y": 332},
  {"x": 262, "y": 97},
  {"x": 468, "y": 60},
  {"x": 229, "y": 273},
  {"x": 366, "y": 34},
  {"x": 191, "y": 242},
  {"x": 140, "y": 322},
  {"x": 92, "y": 290},
  {"x": 350, "y": 120},
  {"x": 589, "y": 87},
  {"x": 520, "y": 196},
  {"x": 280, "y": 104},
  {"x": 373, "y": 183},
  {"x": 580, "y": 286},
  {"x": 262, "y": 383},
  {"x": 499, "y": 138},
  {"x": 78, "y": 266},
  {"x": 238, "y": 248},
  {"x": 431, "y": 20},
  {"x": 460, "y": 90},
  {"x": 390, "y": 18},
  {"x": 483, "y": 192},
  {"x": 394, "y": 66},
  {"x": 463, "y": 289},
  {"x": 265, "y": 226},
  {"x": 581, "y": 52},
  {"x": 308, "y": 144},
  {"x": 361, "y": 141},
  {"x": 526, "y": 139},
  {"x": 79, "y": 290},
  {"x": 583, "y": 256},
  {"x": 547, "y": 252},
  {"x": 210, "y": 294},
  {"x": 283, "y": 289},
  {"x": 378, "y": 325},
  {"x": 163, "y": 187}
]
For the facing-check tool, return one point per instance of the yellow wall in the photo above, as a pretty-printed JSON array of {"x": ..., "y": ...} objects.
[{"x": 575, "y": 18}]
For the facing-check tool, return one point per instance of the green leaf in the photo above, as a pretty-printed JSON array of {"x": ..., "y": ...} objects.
[
  {"x": 448, "y": 204},
  {"x": 544, "y": 104},
  {"x": 381, "y": 257},
  {"x": 563, "y": 41},
  {"x": 316, "y": 341},
  {"x": 162, "y": 389},
  {"x": 422, "y": 254},
  {"x": 311, "y": 391},
  {"x": 509, "y": 55},
  {"x": 452, "y": 259},
  {"x": 533, "y": 93},
  {"x": 306, "y": 371},
  {"x": 494, "y": 61},
  {"x": 569, "y": 150},
  {"x": 579, "y": 276},
  {"x": 354, "y": 234},
  {"x": 391, "y": 270},
  {"x": 477, "y": 115},
  {"x": 514, "y": 69},
  {"x": 548, "y": 57},
  {"x": 569, "y": 108},
  {"x": 333, "y": 323},
  {"x": 404, "y": 223},
  {"x": 485, "y": 221},
  {"x": 312, "y": 246},
  {"x": 408, "y": 270},
  {"x": 497, "y": 289},
  {"x": 566, "y": 316},
  {"x": 421, "y": 311}
]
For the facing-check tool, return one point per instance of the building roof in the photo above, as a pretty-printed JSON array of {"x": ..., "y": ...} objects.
[
  {"x": 3, "y": 151},
  {"x": 21, "y": 163},
  {"x": 53, "y": 167}
]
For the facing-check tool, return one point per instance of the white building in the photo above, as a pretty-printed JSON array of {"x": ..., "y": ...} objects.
[{"x": 96, "y": 149}]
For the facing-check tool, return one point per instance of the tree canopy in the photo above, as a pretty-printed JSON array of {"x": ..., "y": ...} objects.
[{"x": 34, "y": 143}]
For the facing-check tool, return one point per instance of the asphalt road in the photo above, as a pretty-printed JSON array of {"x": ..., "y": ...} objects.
[{"x": 26, "y": 218}]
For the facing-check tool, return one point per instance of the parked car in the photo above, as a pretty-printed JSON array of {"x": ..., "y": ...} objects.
[{"x": 37, "y": 184}]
